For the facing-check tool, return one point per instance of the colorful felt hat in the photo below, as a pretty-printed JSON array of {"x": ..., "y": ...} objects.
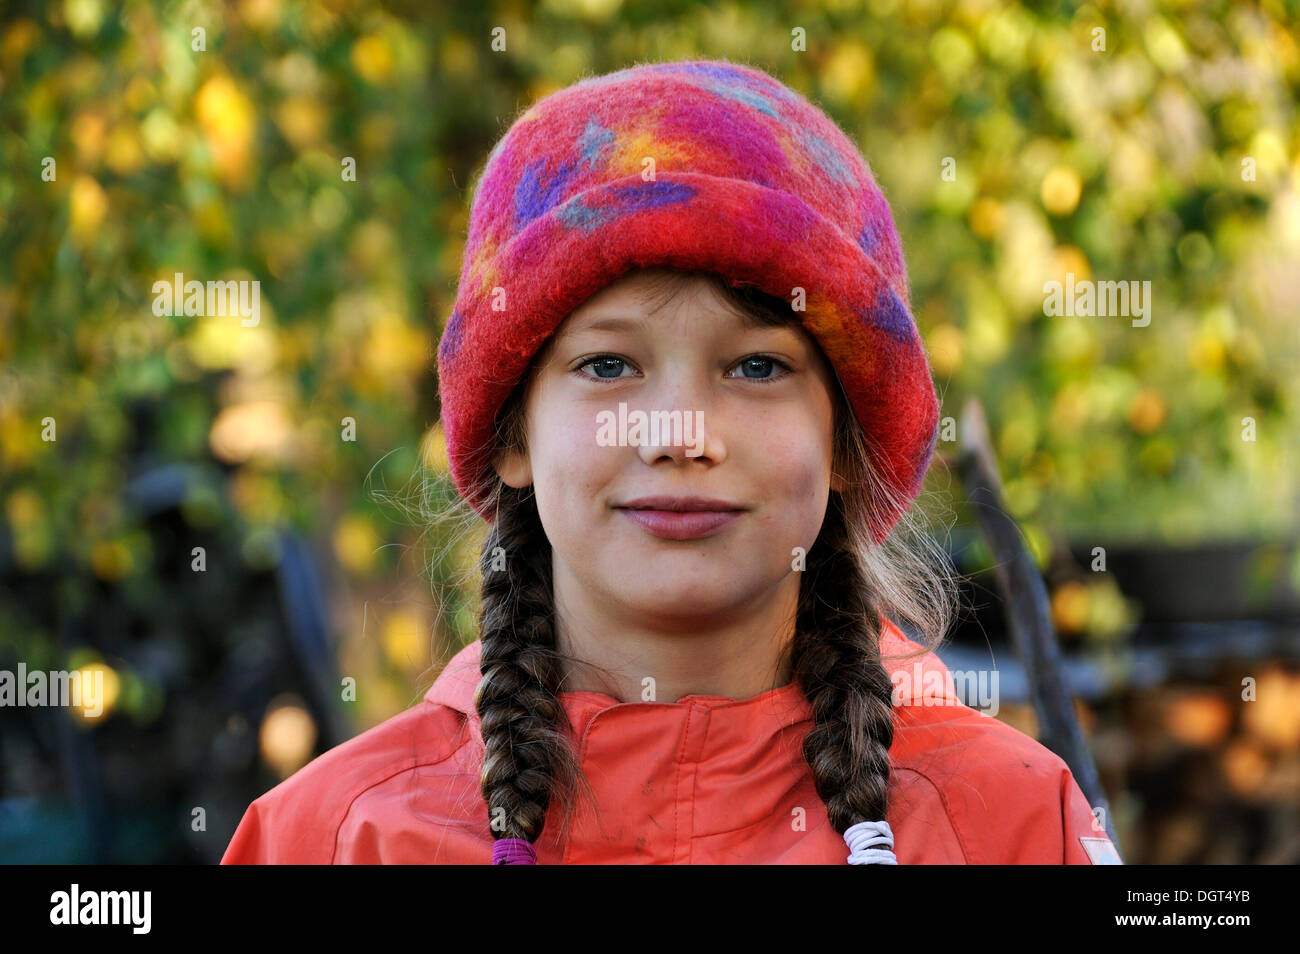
[{"x": 707, "y": 165}]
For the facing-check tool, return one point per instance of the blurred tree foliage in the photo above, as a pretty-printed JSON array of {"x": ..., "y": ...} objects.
[{"x": 1122, "y": 159}]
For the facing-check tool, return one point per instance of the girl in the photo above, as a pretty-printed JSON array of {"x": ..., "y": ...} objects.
[{"x": 687, "y": 651}]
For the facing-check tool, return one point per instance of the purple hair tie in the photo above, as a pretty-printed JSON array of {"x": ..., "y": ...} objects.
[{"x": 513, "y": 851}]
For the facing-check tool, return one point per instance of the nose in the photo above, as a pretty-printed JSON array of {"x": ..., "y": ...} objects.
[{"x": 681, "y": 432}]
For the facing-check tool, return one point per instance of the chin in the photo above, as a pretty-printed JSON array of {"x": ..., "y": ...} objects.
[{"x": 685, "y": 589}]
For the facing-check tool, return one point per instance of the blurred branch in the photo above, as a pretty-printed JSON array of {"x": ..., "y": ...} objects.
[{"x": 1028, "y": 609}]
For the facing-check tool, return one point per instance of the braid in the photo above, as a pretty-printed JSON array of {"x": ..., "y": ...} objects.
[
  {"x": 525, "y": 747},
  {"x": 836, "y": 660}
]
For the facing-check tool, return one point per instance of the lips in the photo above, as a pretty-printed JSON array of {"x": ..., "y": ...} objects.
[
  {"x": 681, "y": 518},
  {"x": 680, "y": 504}
]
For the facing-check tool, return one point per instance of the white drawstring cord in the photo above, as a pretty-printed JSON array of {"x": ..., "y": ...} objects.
[{"x": 862, "y": 839}]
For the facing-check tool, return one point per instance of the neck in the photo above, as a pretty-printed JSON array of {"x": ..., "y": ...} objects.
[{"x": 661, "y": 653}]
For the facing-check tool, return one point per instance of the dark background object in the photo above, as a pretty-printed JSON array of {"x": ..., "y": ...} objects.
[{"x": 208, "y": 650}]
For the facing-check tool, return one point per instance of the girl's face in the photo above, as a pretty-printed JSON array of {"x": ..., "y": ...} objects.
[{"x": 756, "y": 412}]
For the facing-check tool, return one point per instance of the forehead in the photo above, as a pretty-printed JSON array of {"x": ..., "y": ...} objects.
[{"x": 624, "y": 304}]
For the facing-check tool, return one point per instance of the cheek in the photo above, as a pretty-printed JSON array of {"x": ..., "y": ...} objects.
[
  {"x": 797, "y": 454},
  {"x": 568, "y": 464},
  {"x": 798, "y": 475},
  {"x": 796, "y": 470}
]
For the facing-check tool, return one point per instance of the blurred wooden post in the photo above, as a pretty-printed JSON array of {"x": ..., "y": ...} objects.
[{"x": 1028, "y": 608}]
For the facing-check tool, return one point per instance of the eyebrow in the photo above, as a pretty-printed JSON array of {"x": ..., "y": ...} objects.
[{"x": 613, "y": 323}]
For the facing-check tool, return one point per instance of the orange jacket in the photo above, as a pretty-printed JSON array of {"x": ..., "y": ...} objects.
[{"x": 703, "y": 780}]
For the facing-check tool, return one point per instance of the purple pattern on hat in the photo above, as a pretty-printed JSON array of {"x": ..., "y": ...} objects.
[
  {"x": 891, "y": 316},
  {"x": 868, "y": 237},
  {"x": 622, "y": 199},
  {"x": 536, "y": 194},
  {"x": 450, "y": 337}
]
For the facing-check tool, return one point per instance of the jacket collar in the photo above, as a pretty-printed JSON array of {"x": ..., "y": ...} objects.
[{"x": 776, "y": 708}]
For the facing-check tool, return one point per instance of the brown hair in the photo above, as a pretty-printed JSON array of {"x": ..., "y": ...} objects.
[{"x": 848, "y": 584}]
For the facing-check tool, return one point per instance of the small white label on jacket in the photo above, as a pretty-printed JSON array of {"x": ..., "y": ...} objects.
[{"x": 1100, "y": 851}]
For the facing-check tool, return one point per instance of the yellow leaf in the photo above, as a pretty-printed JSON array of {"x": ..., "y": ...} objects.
[
  {"x": 89, "y": 206},
  {"x": 372, "y": 58}
]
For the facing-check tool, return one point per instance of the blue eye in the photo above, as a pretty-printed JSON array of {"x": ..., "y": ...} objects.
[
  {"x": 615, "y": 364},
  {"x": 603, "y": 361},
  {"x": 763, "y": 361}
]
